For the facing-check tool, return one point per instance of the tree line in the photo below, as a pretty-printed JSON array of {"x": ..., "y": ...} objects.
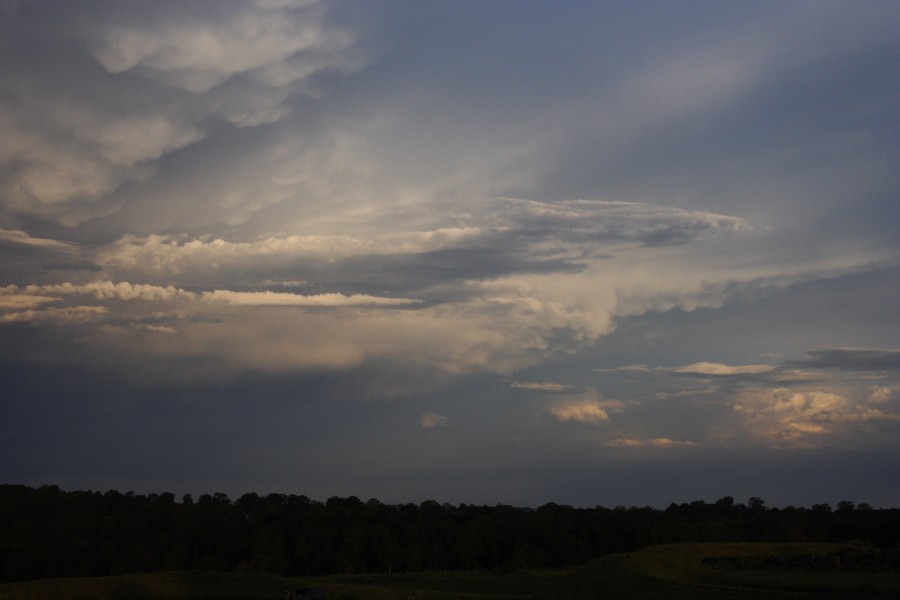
[{"x": 47, "y": 532}]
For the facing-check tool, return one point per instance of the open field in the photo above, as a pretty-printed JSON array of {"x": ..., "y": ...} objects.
[
  {"x": 675, "y": 571},
  {"x": 256, "y": 586},
  {"x": 694, "y": 571}
]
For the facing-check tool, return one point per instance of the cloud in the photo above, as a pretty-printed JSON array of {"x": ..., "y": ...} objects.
[
  {"x": 627, "y": 369},
  {"x": 586, "y": 407},
  {"x": 314, "y": 211},
  {"x": 171, "y": 255},
  {"x": 430, "y": 420},
  {"x": 700, "y": 368},
  {"x": 661, "y": 442},
  {"x": 288, "y": 299},
  {"x": 16, "y": 236},
  {"x": 214, "y": 152},
  {"x": 166, "y": 329},
  {"x": 525, "y": 233},
  {"x": 823, "y": 364},
  {"x": 543, "y": 387},
  {"x": 198, "y": 53},
  {"x": 495, "y": 323},
  {"x": 716, "y": 369},
  {"x": 839, "y": 395},
  {"x": 881, "y": 394},
  {"x": 14, "y": 301},
  {"x": 604, "y": 221},
  {"x": 122, "y": 290},
  {"x": 580, "y": 412},
  {"x": 851, "y": 359},
  {"x": 446, "y": 338},
  {"x": 808, "y": 416},
  {"x": 68, "y": 315},
  {"x": 150, "y": 82},
  {"x": 492, "y": 238}
]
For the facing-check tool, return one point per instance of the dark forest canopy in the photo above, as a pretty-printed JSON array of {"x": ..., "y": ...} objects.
[{"x": 47, "y": 532}]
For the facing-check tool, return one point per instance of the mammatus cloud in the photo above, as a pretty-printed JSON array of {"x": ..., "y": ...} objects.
[
  {"x": 264, "y": 40},
  {"x": 152, "y": 82}
]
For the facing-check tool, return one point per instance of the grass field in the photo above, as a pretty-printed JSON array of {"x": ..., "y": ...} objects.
[
  {"x": 257, "y": 586},
  {"x": 682, "y": 572},
  {"x": 673, "y": 572}
]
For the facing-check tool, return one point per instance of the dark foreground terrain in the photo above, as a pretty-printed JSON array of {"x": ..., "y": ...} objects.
[
  {"x": 673, "y": 571},
  {"x": 48, "y": 533},
  {"x": 755, "y": 570}
]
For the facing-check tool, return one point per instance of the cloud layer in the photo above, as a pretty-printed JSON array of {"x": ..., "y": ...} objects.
[{"x": 498, "y": 246}]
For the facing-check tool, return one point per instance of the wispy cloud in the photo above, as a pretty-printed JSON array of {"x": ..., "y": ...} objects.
[
  {"x": 628, "y": 369},
  {"x": 13, "y": 301},
  {"x": 287, "y": 299},
  {"x": 67, "y": 315},
  {"x": 560, "y": 388},
  {"x": 851, "y": 359},
  {"x": 17, "y": 236},
  {"x": 661, "y": 442},
  {"x": 717, "y": 369}
]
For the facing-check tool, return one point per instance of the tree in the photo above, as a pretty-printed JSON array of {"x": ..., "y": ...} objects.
[{"x": 756, "y": 503}]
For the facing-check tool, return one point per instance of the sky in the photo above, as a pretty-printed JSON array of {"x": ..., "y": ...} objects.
[{"x": 593, "y": 253}]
